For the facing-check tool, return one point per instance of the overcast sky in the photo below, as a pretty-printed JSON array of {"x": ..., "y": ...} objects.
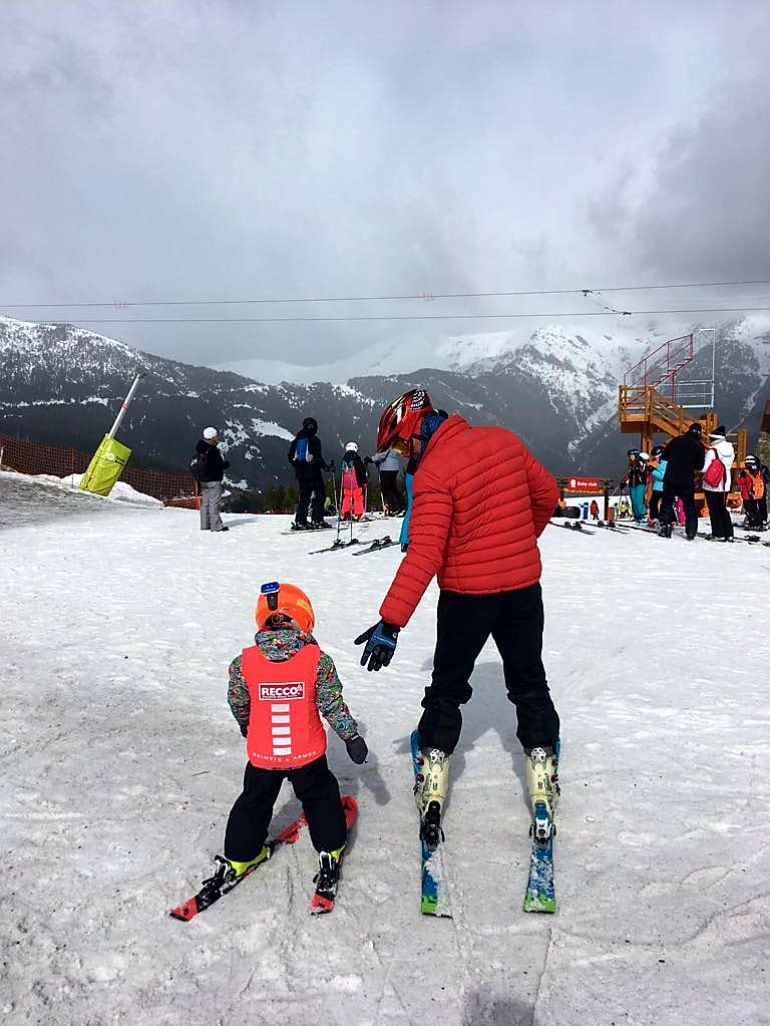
[{"x": 187, "y": 150}]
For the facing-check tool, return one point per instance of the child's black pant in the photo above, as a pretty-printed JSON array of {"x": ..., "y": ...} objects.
[{"x": 314, "y": 785}]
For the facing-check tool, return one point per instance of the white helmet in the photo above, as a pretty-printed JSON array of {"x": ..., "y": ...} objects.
[
  {"x": 209, "y": 433},
  {"x": 351, "y": 447},
  {"x": 644, "y": 455}
]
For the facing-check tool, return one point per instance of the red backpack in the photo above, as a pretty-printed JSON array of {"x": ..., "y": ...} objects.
[{"x": 715, "y": 472}]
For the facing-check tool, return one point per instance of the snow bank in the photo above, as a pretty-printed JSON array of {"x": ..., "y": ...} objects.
[{"x": 121, "y": 491}]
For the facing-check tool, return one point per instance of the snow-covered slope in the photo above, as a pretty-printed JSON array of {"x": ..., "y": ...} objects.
[{"x": 121, "y": 760}]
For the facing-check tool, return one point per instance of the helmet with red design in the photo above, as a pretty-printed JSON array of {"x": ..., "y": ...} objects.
[
  {"x": 279, "y": 602},
  {"x": 400, "y": 420}
]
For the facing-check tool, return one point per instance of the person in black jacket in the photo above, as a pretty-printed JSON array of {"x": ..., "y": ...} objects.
[
  {"x": 684, "y": 457},
  {"x": 208, "y": 468},
  {"x": 307, "y": 459}
]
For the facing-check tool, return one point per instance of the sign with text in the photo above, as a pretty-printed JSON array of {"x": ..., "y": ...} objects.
[{"x": 584, "y": 485}]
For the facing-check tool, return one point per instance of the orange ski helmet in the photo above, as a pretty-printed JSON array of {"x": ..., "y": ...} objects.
[
  {"x": 287, "y": 599},
  {"x": 400, "y": 419}
]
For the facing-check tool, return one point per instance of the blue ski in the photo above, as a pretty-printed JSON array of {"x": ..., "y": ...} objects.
[
  {"x": 434, "y": 897},
  {"x": 540, "y": 895}
]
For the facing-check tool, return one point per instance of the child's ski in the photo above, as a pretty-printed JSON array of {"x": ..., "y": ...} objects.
[
  {"x": 434, "y": 894},
  {"x": 378, "y": 543},
  {"x": 326, "y": 884},
  {"x": 213, "y": 889}
]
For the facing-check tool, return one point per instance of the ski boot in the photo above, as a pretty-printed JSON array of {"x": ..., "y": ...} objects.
[
  {"x": 430, "y": 791},
  {"x": 229, "y": 872},
  {"x": 542, "y": 776},
  {"x": 666, "y": 530},
  {"x": 328, "y": 875}
]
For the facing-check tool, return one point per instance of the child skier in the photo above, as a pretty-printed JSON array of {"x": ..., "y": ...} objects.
[
  {"x": 353, "y": 483},
  {"x": 752, "y": 485},
  {"x": 279, "y": 689}
]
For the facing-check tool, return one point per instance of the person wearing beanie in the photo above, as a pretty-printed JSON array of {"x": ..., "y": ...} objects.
[
  {"x": 752, "y": 484},
  {"x": 307, "y": 459},
  {"x": 684, "y": 457},
  {"x": 636, "y": 478},
  {"x": 717, "y": 480},
  {"x": 208, "y": 469}
]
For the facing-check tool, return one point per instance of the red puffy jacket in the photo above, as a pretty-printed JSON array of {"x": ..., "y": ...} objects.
[{"x": 481, "y": 500}]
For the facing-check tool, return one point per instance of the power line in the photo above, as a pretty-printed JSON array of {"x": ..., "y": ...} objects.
[
  {"x": 556, "y": 315},
  {"x": 424, "y": 296}
]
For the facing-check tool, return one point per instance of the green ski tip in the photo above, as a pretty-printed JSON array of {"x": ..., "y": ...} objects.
[{"x": 539, "y": 903}]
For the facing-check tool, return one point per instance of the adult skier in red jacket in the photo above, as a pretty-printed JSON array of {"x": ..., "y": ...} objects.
[{"x": 481, "y": 500}]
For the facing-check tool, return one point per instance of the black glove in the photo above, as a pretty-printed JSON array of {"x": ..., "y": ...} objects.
[
  {"x": 357, "y": 749},
  {"x": 244, "y": 730},
  {"x": 380, "y": 645},
  {"x": 368, "y": 460}
]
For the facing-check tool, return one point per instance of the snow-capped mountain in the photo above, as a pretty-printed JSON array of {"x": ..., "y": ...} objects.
[{"x": 555, "y": 386}]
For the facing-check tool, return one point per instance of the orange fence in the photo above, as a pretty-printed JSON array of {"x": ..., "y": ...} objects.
[{"x": 36, "y": 458}]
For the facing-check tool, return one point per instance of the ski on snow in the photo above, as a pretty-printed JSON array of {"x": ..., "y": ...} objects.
[
  {"x": 574, "y": 525},
  {"x": 325, "y": 895},
  {"x": 211, "y": 891},
  {"x": 434, "y": 895},
  {"x": 376, "y": 545},
  {"x": 540, "y": 895},
  {"x": 336, "y": 546}
]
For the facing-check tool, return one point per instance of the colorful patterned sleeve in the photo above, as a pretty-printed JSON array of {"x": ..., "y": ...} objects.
[
  {"x": 329, "y": 700},
  {"x": 238, "y": 694}
]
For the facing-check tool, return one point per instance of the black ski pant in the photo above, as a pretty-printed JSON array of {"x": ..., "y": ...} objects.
[
  {"x": 311, "y": 490},
  {"x": 654, "y": 511},
  {"x": 753, "y": 515},
  {"x": 515, "y": 621},
  {"x": 394, "y": 500},
  {"x": 762, "y": 508},
  {"x": 314, "y": 785},
  {"x": 721, "y": 521},
  {"x": 687, "y": 495}
]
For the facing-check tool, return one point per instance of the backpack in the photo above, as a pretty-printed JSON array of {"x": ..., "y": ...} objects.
[
  {"x": 302, "y": 453},
  {"x": 715, "y": 472}
]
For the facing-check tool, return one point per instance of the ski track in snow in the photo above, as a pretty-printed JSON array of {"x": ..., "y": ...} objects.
[{"x": 120, "y": 762}]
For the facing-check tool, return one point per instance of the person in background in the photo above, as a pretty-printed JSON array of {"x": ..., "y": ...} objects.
[
  {"x": 717, "y": 478},
  {"x": 762, "y": 506},
  {"x": 657, "y": 467},
  {"x": 413, "y": 457},
  {"x": 306, "y": 457},
  {"x": 593, "y": 510},
  {"x": 636, "y": 479},
  {"x": 352, "y": 484},
  {"x": 208, "y": 468},
  {"x": 388, "y": 464},
  {"x": 684, "y": 456},
  {"x": 752, "y": 487}
]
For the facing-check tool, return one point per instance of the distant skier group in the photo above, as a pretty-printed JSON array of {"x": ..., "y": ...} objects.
[
  {"x": 666, "y": 479},
  {"x": 480, "y": 501}
]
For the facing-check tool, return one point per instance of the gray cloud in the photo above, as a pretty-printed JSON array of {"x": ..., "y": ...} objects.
[{"x": 195, "y": 150}]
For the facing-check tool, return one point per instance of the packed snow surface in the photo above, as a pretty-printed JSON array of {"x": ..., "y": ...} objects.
[{"x": 121, "y": 760}]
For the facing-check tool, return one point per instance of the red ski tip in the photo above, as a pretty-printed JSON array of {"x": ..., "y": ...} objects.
[
  {"x": 319, "y": 904},
  {"x": 185, "y": 912}
]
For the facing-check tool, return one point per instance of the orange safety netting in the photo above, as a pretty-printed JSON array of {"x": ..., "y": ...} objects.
[{"x": 36, "y": 458}]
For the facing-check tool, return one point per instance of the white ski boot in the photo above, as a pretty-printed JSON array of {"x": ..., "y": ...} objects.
[
  {"x": 543, "y": 788},
  {"x": 430, "y": 791}
]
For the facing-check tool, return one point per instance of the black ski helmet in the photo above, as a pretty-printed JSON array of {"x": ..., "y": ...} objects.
[
  {"x": 657, "y": 451},
  {"x": 310, "y": 424}
]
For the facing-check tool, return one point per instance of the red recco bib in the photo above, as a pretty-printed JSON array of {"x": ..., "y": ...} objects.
[{"x": 285, "y": 728}]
